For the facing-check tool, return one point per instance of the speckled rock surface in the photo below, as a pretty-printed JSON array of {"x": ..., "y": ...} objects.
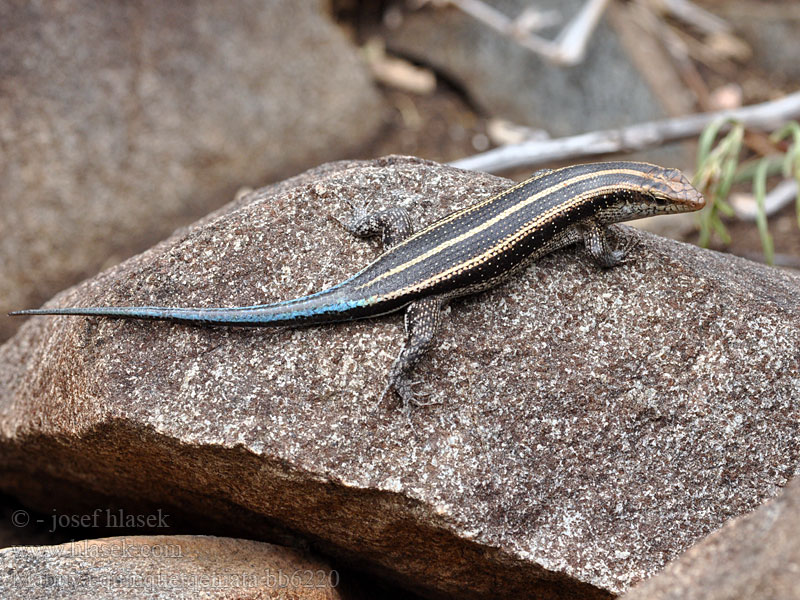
[
  {"x": 755, "y": 556},
  {"x": 133, "y": 118},
  {"x": 594, "y": 424},
  {"x": 164, "y": 567}
]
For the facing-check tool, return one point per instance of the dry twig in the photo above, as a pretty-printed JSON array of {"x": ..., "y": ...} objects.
[
  {"x": 568, "y": 49},
  {"x": 781, "y": 195},
  {"x": 765, "y": 116},
  {"x": 690, "y": 13}
]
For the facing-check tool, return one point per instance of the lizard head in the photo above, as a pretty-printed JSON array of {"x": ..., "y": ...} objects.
[
  {"x": 650, "y": 191},
  {"x": 671, "y": 188}
]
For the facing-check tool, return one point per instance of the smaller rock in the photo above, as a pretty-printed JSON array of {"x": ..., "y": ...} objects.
[
  {"x": 182, "y": 566},
  {"x": 754, "y": 556}
]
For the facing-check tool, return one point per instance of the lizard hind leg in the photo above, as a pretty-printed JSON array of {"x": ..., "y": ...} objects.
[
  {"x": 393, "y": 225},
  {"x": 421, "y": 322}
]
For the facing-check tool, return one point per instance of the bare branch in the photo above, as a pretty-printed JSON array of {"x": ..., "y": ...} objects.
[
  {"x": 766, "y": 116},
  {"x": 781, "y": 195},
  {"x": 574, "y": 38},
  {"x": 690, "y": 13},
  {"x": 569, "y": 47}
]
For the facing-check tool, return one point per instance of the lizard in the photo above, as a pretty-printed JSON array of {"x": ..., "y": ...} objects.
[{"x": 465, "y": 252}]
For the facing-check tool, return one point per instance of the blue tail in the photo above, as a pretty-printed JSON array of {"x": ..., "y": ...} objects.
[{"x": 323, "y": 307}]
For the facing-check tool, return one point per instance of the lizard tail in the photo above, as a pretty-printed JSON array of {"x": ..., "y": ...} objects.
[{"x": 323, "y": 307}]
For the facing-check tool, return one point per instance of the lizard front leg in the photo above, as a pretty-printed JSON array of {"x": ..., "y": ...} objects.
[
  {"x": 421, "y": 322},
  {"x": 598, "y": 246}
]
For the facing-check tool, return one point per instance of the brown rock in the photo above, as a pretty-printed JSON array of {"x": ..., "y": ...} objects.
[
  {"x": 594, "y": 424},
  {"x": 755, "y": 556},
  {"x": 155, "y": 567},
  {"x": 120, "y": 121}
]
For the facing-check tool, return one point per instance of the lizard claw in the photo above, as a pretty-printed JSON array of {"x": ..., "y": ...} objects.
[
  {"x": 408, "y": 396},
  {"x": 339, "y": 222},
  {"x": 631, "y": 242},
  {"x": 414, "y": 398},
  {"x": 406, "y": 409},
  {"x": 360, "y": 212}
]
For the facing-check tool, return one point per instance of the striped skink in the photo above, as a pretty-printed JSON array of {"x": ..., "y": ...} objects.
[{"x": 465, "y": 252}]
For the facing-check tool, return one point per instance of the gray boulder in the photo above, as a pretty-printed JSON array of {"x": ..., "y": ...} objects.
[{"x": 120, "y": 121}]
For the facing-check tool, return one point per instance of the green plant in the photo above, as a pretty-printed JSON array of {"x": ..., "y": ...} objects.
[
  {"x": 791, "y": 162},
  {"x": 719, "y": 167}
]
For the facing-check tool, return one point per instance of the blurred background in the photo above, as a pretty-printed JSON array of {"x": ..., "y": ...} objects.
[{"x": 122, "y": 121}]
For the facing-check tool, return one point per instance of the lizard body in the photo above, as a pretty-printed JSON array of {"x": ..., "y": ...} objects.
[{"x": 470, "y": 250}]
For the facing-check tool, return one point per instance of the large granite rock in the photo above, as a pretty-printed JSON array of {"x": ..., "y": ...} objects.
[
  {"x": 593, "y": 423},
  {"x": 164, "y": 567},
  {"x": 120, "y": 121},
  {"x": 755, "y": 556}
]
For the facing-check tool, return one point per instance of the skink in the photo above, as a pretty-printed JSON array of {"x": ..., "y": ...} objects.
[{"x": 465, "y": 252}]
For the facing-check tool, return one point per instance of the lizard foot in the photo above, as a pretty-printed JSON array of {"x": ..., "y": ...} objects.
[
  {"x": 630, "y": 242},
  {"x": 409, "y": 398}
]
